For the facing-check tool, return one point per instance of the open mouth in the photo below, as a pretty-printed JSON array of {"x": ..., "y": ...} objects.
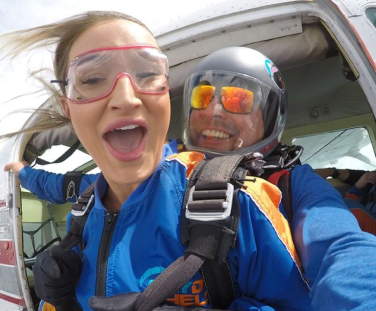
[
  {"x": 215, "y": 135},
  {"x": 126, "y": 139}
]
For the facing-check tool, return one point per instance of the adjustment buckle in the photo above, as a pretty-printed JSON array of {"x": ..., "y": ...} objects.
[
  {"x": 211, "y": 216},
  {"x": 84, "y": 208}
]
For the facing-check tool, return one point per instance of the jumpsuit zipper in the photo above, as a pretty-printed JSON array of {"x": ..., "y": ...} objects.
[{"x": 104, "y": 250}]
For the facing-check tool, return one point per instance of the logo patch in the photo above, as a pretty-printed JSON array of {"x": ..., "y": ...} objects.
[{"x": 275, "y": 74}]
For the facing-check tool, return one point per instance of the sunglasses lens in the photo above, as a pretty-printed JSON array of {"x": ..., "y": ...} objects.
[
  {"x": 201, "y": 96},
  {"x": 236, "y": 99}
]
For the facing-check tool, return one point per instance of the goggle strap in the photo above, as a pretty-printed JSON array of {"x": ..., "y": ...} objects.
[{"x": 63, "y": 82}]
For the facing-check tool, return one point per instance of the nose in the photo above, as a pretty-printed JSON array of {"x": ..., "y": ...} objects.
[
  {"x": 217, "y": 108},
  {"x": 123, "y": 95}
]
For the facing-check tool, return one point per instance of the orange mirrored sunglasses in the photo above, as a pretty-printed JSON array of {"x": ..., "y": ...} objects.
[{"x": 233, "y": 99}]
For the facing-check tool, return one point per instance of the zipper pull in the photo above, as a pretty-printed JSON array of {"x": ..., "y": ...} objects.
[{"x": 109, "y": 218}]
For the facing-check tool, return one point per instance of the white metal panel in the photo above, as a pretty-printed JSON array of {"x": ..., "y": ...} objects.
[
  {"x": 8, "y": 306},
  {"x": 352, "y": 7},
  {"x": 217, "y": 11}
]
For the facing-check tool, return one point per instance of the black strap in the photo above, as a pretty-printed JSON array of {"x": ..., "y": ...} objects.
[
  {"x": 71, "y": 184},
  {"x": 219, "y": 283},
  {"x": 169, "y": 282},
  {"x": 80, "y": 213},
  {"x": 62, "y": 158},
  {"x": 205, "y": 240}
]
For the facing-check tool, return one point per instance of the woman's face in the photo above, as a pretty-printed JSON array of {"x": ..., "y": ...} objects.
[
  {"x": 125, "y": 131},
  {"x": 216, "y": 129}
]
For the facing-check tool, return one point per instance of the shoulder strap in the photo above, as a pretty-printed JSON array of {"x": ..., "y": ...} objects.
[
  {"x": 210, "y": 219},
  {"x": 80, "y": 213}
]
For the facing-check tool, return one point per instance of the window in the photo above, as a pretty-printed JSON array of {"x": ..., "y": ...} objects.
[
  {"x": 371, "y": 15},
  {"x": 348, "y": 148}
]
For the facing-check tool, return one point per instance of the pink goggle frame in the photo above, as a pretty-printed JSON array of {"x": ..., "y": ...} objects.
[{"x": 93, "y": 75}]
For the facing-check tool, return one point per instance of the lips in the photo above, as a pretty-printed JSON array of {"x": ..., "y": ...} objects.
[{"x": 125, "y": 139}]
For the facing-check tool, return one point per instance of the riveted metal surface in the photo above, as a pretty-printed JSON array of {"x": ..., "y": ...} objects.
[
  {"x": 353, "y": 7},
  {"x": 10, "y": 302},
  {"x": 8, "y": 277},
  {"x": 216, "y": 11},
  {"x": 5, "y": 224},
  {"x": 7, "y": 255}
]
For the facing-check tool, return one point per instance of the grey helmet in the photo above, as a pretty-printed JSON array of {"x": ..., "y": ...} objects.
[{"x": 235, "y": 101}]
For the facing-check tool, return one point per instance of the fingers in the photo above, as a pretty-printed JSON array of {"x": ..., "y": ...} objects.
[
  {"x": 367, "y": 178},
  {"x": 48, "y": 265},
  {"x": 15, "y": 167},
  {"x": 68, "y": 258}
]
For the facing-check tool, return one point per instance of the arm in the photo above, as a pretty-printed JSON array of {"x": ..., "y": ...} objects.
[
  {"x": 46, "y": 186},
  {"x": 337, "y": 257}
]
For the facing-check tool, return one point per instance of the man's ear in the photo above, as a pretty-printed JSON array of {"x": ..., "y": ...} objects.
[{"x": 64, "y": 104}]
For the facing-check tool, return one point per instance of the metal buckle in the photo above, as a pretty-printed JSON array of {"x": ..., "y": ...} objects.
[
  {"x": 211, "y": 216},
  {"x": 84, "y": 208}
]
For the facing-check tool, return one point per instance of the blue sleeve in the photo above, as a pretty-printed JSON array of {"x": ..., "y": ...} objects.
[
  {"x": 249, "y": 304},
  {"x": 337, "y": 257},
  {"x": 49, "y": 186}
]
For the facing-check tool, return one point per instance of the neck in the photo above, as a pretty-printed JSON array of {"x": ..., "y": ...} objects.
[{"x": 116, "y": 196}]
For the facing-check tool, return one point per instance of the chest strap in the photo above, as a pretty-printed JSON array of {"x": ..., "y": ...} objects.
[
  {"x": 80, "y": 213},
  {"x": 210, "y": 220}
]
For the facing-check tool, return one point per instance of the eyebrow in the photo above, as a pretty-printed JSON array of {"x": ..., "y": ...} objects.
[{"x": 83, "y": 60}]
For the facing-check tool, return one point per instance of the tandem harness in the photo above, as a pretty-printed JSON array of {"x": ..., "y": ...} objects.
[{"x": 210, "y": 221}]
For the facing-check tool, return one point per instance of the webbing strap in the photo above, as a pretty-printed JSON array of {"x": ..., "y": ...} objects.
[
  {"x": 205, "y": 239},
  {"x": 212, "y": 240},
  {"x": 62, "y": 158},
  {"x": 74, "y": 234},
  {"x": 219, "y": 283},
  {"x": 168, "y": 282}
]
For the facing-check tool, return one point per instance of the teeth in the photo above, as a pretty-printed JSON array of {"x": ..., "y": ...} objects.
[
  {"x": 216, "y": 134},
  {"x": 128, "y": 127}
]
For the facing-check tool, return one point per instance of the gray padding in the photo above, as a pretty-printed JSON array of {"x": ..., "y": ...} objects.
[{"x": 47, "y": 139}]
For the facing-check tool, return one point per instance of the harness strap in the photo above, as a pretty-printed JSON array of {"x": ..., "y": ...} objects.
[
  {"x": 169, "y": 282},
  {"x": 209, "y": 229},
  {"x": 80, "y": 213},
  {"x": 62, "y": 158}
]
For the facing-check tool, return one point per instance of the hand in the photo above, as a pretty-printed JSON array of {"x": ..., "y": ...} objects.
[
  {"x": 367, "y": 178},
  {"x": 127, "y": 302},
  {"x": 15, "y": 167},
  {"x": 56, "y": 273}
]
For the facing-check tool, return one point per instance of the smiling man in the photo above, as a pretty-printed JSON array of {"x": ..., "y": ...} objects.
[{"x": 239, "y": 106}]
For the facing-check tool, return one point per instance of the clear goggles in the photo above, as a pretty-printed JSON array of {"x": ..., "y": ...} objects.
[{"x": 93, "y": 75}]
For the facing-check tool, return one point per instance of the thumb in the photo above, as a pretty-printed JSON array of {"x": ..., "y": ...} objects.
[
  {"x": 67, "y": 257},
  {"x": 124, "y": 302},
  {"x": 48, "y": 264}
]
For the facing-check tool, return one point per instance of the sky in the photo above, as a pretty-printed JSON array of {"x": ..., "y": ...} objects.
[{"x": 21, "y": 14}]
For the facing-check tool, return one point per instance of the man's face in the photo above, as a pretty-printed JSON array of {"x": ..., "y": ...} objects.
[{"x": 216, "y": 129}]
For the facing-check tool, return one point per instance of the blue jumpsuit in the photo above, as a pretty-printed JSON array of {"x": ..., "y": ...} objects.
[{"x": 125, "y": 252}]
